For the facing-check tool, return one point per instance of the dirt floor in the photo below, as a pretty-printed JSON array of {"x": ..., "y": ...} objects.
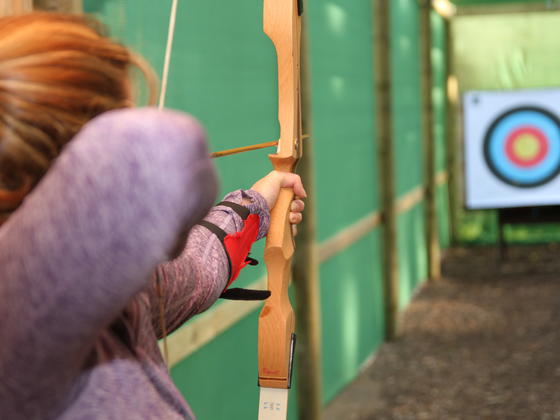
[{"x": 483, "y": 343}]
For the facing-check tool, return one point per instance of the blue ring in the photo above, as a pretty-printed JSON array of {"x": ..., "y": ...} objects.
[
  {"x": 509, "y": 169},
  {"x": 494, "y": 147}
]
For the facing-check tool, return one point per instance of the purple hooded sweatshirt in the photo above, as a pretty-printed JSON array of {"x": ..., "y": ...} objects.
[{"x": 79, "y": 313}]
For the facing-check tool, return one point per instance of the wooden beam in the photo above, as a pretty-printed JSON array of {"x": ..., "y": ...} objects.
[
  {"x": 492, "y": 9},
  {"x": 442, "y": 177},
  {"x": 306, "y": 268},
  {"x": 61, "y": 6},
  {"x": 410, "y": 199},
  {"x": 384, "y": 136},
  {"x": 429, "y": 146},
  {"x": 15, "y": 7}
]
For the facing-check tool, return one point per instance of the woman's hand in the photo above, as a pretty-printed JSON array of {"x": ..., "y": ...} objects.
[{"x": 269, "y": 187}]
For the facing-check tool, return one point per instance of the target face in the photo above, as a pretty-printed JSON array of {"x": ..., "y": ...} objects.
[
  {"x": 522, "y": 147},
  {"x": 512, "y": 148}
]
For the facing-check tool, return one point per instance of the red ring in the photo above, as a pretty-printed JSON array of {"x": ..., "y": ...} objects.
[{"x": 543, "y": 146}]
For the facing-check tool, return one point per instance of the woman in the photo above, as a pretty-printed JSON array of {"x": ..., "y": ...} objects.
[{"x": 95, "y": 197}]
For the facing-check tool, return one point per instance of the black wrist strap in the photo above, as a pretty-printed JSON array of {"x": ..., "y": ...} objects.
[
  {"x": 221, "y": 235},
  {"x": 245, "y": 294},
  {"x": 219, "y": 232},
  {"x": 242, "y": 211}
]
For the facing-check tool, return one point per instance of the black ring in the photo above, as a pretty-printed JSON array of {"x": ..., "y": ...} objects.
[{"x": 488, "y": 136}]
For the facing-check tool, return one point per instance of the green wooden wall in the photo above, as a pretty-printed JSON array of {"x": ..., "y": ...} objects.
[
  {"x": 407, "y": 131},
  {"x": 223, "y": 71},
  {"x": 343, "y": 112}
]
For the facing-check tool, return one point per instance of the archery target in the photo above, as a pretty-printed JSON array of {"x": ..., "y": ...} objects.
[
  {"x": 522, "y": 147},
  {"x": 512, "y": 148}
]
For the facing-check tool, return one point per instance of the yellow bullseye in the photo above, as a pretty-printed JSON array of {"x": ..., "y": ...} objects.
[{"x": 526, "y": 146}]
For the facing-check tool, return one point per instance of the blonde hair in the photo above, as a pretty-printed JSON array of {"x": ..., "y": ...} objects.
[{"x": 57, "y": 72}]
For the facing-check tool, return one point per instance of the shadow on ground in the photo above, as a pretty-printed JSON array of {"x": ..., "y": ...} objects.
[{"x": 482, "y": 343}]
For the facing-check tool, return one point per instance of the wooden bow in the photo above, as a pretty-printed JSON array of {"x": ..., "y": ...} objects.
[{"x": 282, "y": 24}]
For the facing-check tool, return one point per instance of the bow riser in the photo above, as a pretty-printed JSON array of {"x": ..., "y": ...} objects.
[
  {"x": 277, "y": 321},
  {"x": 282, "y": 23}
]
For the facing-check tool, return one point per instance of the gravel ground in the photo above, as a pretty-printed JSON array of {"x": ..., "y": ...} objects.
[{"x": 482, "y": 343}]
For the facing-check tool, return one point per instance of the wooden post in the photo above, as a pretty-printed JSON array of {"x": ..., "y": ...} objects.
[
  {"x": 62, "y": 6},
  {"x": 434, "y": 271},
  {"x": 15, "y": 7},
  {"x": 306, "y": 267},
  {"x": 452, "y": 149},
  {"x": 384, "y": 135}
]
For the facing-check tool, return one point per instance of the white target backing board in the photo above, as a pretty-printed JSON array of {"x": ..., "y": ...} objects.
[{"x": 512, "y": 148}]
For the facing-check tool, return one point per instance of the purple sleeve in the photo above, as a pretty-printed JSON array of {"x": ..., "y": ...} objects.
[
  {"x": 195, "y": 279},
  {"x": 88, "y": 238}
]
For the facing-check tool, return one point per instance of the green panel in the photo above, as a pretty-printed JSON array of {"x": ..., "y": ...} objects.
[
  {"x": 411, "y": 243},
  {"x": 406, "y": 94},
  {"x": 532, "y": 234},
  {"x": 478, "y": 227},
  {"x": 481, "y": 228},
  {"x": 220, "y": 379},
  {"x": 223, "y": 71},
  {"x": 407, "y": 132},
  {"x": 352, "y": 308},
  {"x": 343, "y": 112},
  {"x": 510, "y": 51}
]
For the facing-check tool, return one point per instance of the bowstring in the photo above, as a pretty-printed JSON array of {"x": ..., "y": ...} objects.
[
  {"x": 162, "y": 96},
  {"x": 168, "y": 50}
]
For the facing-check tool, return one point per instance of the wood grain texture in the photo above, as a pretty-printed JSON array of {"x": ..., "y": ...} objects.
[
  {"x": 386, "y": 159},
  {"x": 277, "y": 321},
  {"x": 428, "y": 138},
  {"x": 452, "y": 135},
  {"x": 306, "y": 267}
]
